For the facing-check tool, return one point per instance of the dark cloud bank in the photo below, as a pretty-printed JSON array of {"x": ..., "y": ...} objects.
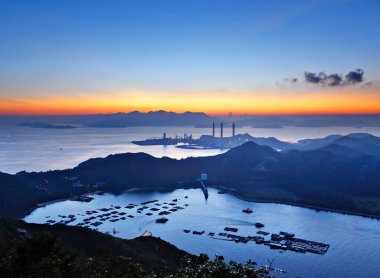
[{"x": 331, "y": 80}]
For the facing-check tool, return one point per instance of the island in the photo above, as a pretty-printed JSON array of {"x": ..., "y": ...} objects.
[{"x": 46, "y": 125}]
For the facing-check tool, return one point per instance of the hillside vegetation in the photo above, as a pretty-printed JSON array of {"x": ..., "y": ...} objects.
[{"x": 29, "y": 250}]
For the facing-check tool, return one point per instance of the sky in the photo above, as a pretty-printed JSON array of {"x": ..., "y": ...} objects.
[{"x": 214, "y": 56}]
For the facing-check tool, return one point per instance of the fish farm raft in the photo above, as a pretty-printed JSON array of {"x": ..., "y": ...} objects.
[{"x": 282, "y": 241}]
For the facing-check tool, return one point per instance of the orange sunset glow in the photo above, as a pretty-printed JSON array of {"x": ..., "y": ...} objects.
[{"x": 210, "y": 103}]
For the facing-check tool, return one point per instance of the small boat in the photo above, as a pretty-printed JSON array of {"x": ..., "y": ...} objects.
[
  {"x": 247, "y": 210},
  {"x": 279, "y": 270},
  {"x": 162, "y": 220},
  {"x": 259, "y": 225}
]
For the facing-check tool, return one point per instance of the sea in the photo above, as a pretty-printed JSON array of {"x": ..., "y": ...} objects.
[
  {"x": 38, "y": 149},
  {"x": 354, "y": 240}
]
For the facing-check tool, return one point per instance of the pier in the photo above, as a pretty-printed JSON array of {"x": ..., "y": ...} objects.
[{"x": 203, "y": 180}]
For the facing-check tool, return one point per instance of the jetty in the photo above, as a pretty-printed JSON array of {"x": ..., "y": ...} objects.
[{"x": 203, "y": 180}]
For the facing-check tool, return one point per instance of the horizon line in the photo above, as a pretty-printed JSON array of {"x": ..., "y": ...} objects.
[{"x": 195, "y": 112}]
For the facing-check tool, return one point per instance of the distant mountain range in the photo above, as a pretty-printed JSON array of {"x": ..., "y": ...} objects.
[
  {"x": 351, "y": 144},
  {"x": 198, "y": 119},
  {"x": 116, "y": 120},
  {"x": 45, "y": 125},
  {"x": 341, "y": 174}
]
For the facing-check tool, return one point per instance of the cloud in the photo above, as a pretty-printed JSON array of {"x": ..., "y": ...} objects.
[
  {"x": 354, "y": 77},
  {"x": 287, "y": 81},
  {"x": 313, "y": 77},
  {"x": 291, "y": 80},
  {"x": 333, "y": 80}
]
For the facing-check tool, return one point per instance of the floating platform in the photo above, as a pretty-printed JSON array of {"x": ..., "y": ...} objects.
[
  {"x": 283, "y": 241},
  {"x": 229, "y": 229},
  {"x": 259, "y": 225},
  {"x": 162, "y": 220}
]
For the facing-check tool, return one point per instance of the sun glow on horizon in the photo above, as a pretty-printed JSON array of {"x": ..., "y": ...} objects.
[{"x": 212, "y": 103}]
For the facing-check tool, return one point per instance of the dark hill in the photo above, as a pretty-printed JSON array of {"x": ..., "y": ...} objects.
[
  {"x": 341, "y": 150},
  {"x": 153, "y": 254},
  {"x": 333, "y": 177}
]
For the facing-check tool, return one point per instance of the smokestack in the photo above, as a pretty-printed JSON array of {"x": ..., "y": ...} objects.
[
  {"x": 233, "y": 129},
  {"x": 221, "y": 130},
  {"x": 213, "y": 129}
]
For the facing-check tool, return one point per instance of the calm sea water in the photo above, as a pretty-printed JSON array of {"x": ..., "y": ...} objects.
[
  {"x": 354, "y": 241},
  {"x": 30, "y": 149}
]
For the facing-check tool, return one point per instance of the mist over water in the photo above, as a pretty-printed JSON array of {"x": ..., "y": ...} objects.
[{"x": 38, "y": 149}]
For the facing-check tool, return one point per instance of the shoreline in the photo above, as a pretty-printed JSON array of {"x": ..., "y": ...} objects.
[
  {"x": 44, "y": 204},
  {"x": 311, "y": 207},
  {"x": 223, "y": 189}
]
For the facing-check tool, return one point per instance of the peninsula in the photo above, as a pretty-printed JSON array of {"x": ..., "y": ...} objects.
[{"x": 349, "y": 182}]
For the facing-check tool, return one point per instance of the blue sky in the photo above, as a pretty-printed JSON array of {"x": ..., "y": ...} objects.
[{"x": 66, "y": 47}]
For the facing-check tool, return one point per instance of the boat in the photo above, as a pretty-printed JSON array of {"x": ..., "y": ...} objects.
[
  {"x": 259, "y": 225},
  {"x": 279, "y": 270},
  {"x": 247, "y": 210},
  {"x": 162, "y": 220}
]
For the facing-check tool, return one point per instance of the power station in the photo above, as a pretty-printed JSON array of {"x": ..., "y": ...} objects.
[
  {"x": 206, "y": 141},
  {"x": 221, "y": 130}
]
